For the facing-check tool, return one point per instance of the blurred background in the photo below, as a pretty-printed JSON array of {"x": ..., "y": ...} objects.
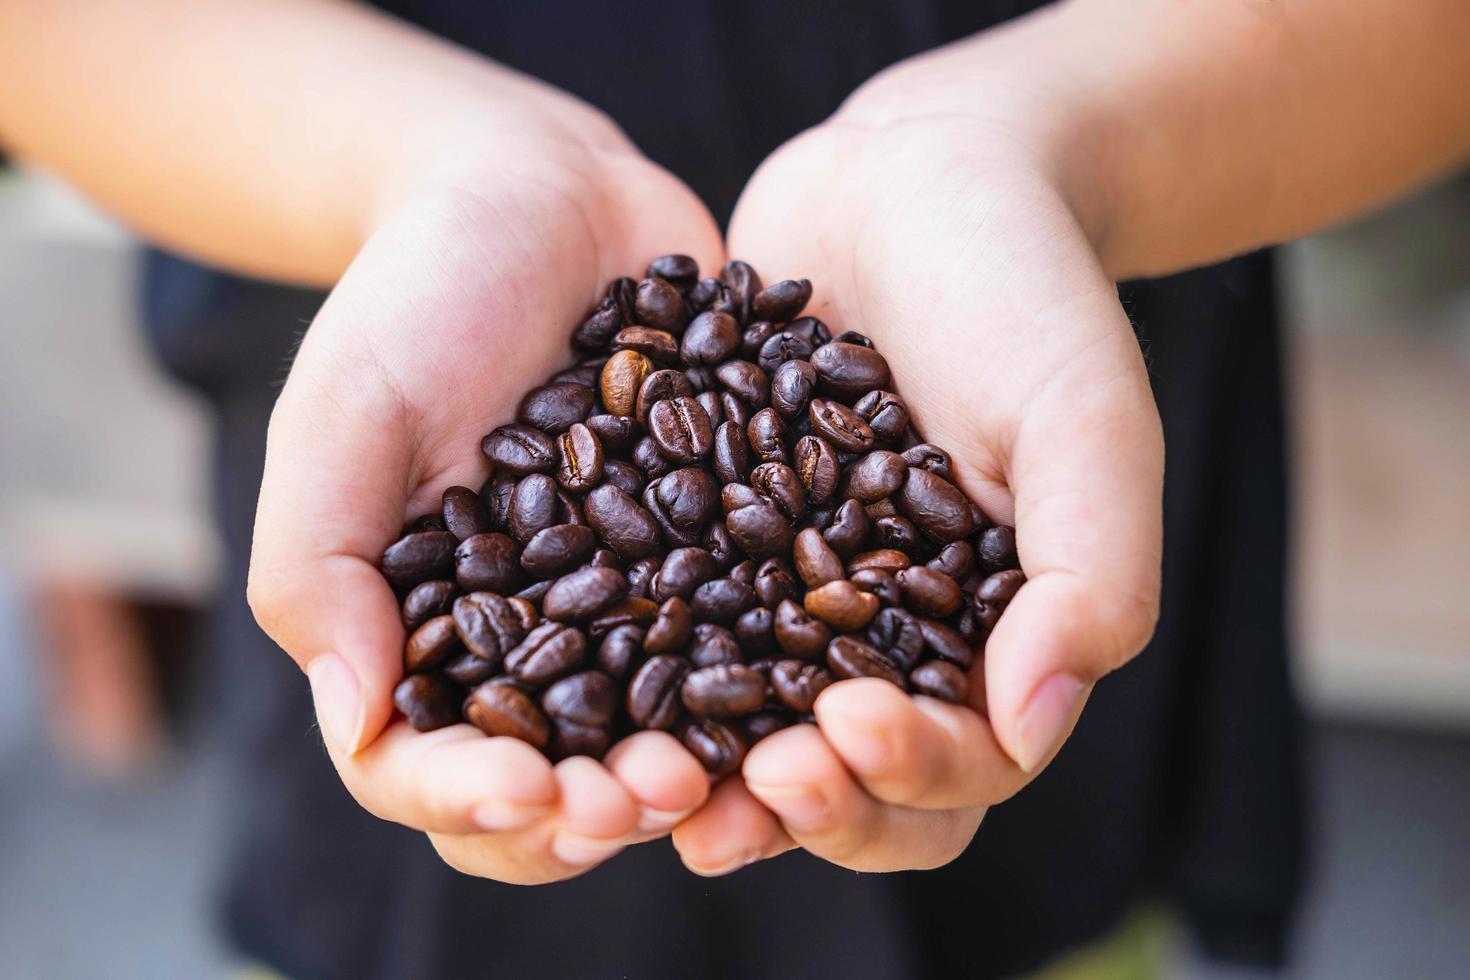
[{"x": 112, "y": 816}]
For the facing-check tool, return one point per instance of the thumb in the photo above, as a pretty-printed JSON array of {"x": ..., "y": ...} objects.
[{"x": 1086, "y": 472}]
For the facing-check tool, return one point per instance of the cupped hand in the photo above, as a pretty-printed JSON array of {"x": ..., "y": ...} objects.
[
  {"x": 945, "y": 240},
  {"x": 466, "y": 291}
]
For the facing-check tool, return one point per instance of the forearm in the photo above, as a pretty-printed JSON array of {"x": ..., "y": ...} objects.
[
  {"x": 1184, "y": 132},
  {"x": 268, "y": 137}
]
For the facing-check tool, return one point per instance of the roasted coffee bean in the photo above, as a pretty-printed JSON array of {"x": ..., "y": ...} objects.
[
  {"x": 849, "y": 529},
  {"x": 640, "y": 574},
  {"x": 621, "y": 651},
  {"x": 886, "y": 414},
  {"x": 487, "y": 563},
  {"x": 810, "y": 329},
  {"x": 798, "y": 634},
  {"x": 956, "y": 559},
  {"x": 744, "y": 572},
  {"x": 467, "y": 670},
  {"x": 710, "y": 339},
  {"x": 936, "y": 506},
  {"x": 625, "y": 476},
  {"x": 816, "y": 562},
  {"x": 987, "y": 614},
  {"x": 659, "y": 346},
  {"x": 781, "y": 301},
  {"x": 568, "y": 739},
  {"x": 558, "y": 549},
  {"x": 463, "y": 515},
  {"x": 755, "y": 630},
  {"x": 581, "y": 595},
  {"x": 525, "y": 612},
  {"x": 880, "y": 583},
  {"x": 791, "y": 388},
  {"x": 929, "y": 592},
  {"x": 817, "y": 468},
  {"x": 533, "y": 507},
  {"x": 746, "y": 381},
  {"x": 762, "y": 724},
  {"x": 579, "y": 459},
  {"x": 589, "y": 698},
  {"x": 731, "y": 453},
  {"x": 683, "y": 503},
  {"x": 900, "y": 534},
  {"x": 425, "y": 601},
  {"x": 841, "y": 605},
  {"x": 760, "y": 529},
  {"x": 840, "y": 426},
  {"x": 554, "y": 408},
  {"x": 1002, "y": 586},
  {"x": 499, "y": 709},
  {"x": 701, "y": 380},
  {"x": 996, "y": 549},
  {"x": 425, "y": 522},
  {"x": 653, "y": 693},
  {"x": 710, "y": 402},
  {"x": 680, "y": 271},
  {"x": 535, "y": 592},
  {"x": 941, "y": 680},
  {"x": 681, "y": 430},
  {"x": 419, "y": 557},
  {"x": 683, "y": 571},
  {"x": 849, "y": 657},
  {"x": 744, "y": 284},
  {"x": 617, "y": 433},
  {"x": 495, "y": 498},
  {"x": 621, "y": 378},
  {"x": 428, "y": 701},
  {"x": 430, "y": 645},
  {"x": 930, "y": 458},
  {"x": 874, "y": 476},
  {"x": 623, "y": 291},
  {"x": 549, "y": 651},
  {"x": 672, "y": 630},
  {"x": 880, "y": 509},
  {"x": 584, "y": 374},
  {"x": 721, "y": 600},
  {"x": 520, "y": 449},
  {"x": 723, "y": 691},
  {"x": 755, "y": 337},
  {"x": 716, "y": 745},
  {"x": 853, "y": 337},
  {"x": 648, "y": 458},
  {"x": 774, "y": 582},
  {"x": 660, "y": 305},
  {"x": 620, "y": 521},
  {"x": 628, "y": 612},
  {"x": 847, "y": 371},
  {"x": 781, "y": 347},
  {"x": 797, "y": 684},
  {"x": 884, "y": 559},
  {"x": 766, "y": 435},
  {"x": 714, "y": 644},
  {"x": 897, "y": 633},
  {"x": 946, "y": 643},
  {"x": 596, "y": 332},
  {"x": 489, "y": 625},
  {"x": 704, "y": 292},
  {"x": 657, "y": 387},
  {"x": 721, "y": 546}
]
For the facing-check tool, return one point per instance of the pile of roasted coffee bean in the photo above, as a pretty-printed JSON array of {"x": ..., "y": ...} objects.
[{"x": 719, "y": 511}]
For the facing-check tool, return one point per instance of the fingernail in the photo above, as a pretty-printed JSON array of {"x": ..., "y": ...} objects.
[
  {"x": 729, "y": 867},
  {"x": 1045, "y": 718},
  {"x": 338, "y": 699},
  {"x": 651, "y": 821},
  {"x": 498, "y": 815},
  {"x": 576, "y": 850},
  {"x": 798, "y": 807}
]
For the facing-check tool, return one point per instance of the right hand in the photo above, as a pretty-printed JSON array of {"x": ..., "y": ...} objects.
[{"x": 461, "y": 300}]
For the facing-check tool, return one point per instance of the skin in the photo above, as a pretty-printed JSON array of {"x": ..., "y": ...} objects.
[{"x": 969, "y": 209}]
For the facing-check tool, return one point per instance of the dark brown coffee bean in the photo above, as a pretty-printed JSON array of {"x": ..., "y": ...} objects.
[
  {"x": 579, "y": 459},
  {"x": 723, "y": 691},
  {"x": 660, "y": 305},
  {"x": 755, "y": 631},
  {"x": 763, "y": 724},
  {"x": 760, "y": 529},
  {"x": 701, "y": 380},
  {"x": 623, "y": 291},
  {"x": 549, "y": 651},
  {"x": 683, "y": 571},
  {"x": 640, "y": 574},
  {"x": 581, "y": 595},
  {"x": 734, "y": 409},
  {"x": 774, "y": 582},
  {"x": 744, "y": 572},
  {"x": 714, "y": 644},
  {"x": 489, "y": 625},
  {"x": 849, "y": 529},
  {"x": 626, "y": 527},
  {"x": 625, "y": 476},
  {"x": 681, "y": 430},
  {"x": 648, "y": 458},
  {"x": 781, "y": 486},
  {"x": 791, "y": 388},
  {"x": 880, "y": 509},
  {"x": 928, "y": 592},
  {"x": 946, "y": 643},
  {"x": 467, "y": 670},
  {"x": 885, "y": 559},
  {"x": 816, "y": 562},
  {"x": 705, "y": 292},
  {"x": 721, "y": 546},
  {"x": 898, "y": 634},
  {"x": 680, "y": 271},
  {"x": 687, "y": 499},
  {"x": 941, "y": 680},
  {"x": 900, "y": 534},
  {"x": 731, "y": 453},
  {"x": 520, "y": 449},
  {"x": 875, "y": 476},
  {"x": 525, "y": 612},
  {"x": 781, "y": 301},
  {"x": 428, "y": 701},
  {"x": 419, "y": 557},
  {"x": 716, "y": 745},
  {"x": 710, "y": 339},
  {"x": 797, "y": 684},
  {"x": 936, "y": 506},
  {"x": 886, "y": 414},
  {"x": 589, "y": 698},
  {"x": 584, "y": 373},
  {"x": 499, "y": 709},
  {"x": 425, "y": 601},
  {"x": 721, "y": 600},
  {"x": 621, "y": 378},
  {"x": 653, "y": 693},
  {"x": 558, "y": 549},
  {"x": 659, "y": 346},
  {"x": 463, "y": 515},
  {"x": 781, "y": 347},
  {"x": 554, "y": 408},
  {"x": 841, "y": 605},
  {"x": 495, "y": 498},
  {"x": 568, "y": 739},
  {"x": 853, "y": 337},
  {"x": 617, "y": 433},
  {"x": 996, "y": 549},
  {"x": 840, "y": 426},
  {"x": 848, "y": 371},
  {"x": 882, "y": 584},
  {"x": 931, "y": 458},
  {"x": 746, "y": 381},
  {"x": 672, "y": 630},
  {"x": 533, "y": 507},
  {"x": 817, "y": 468},
  {"x": 810, "y": 329},
  {"x": 755, "y": 337},
  {"x": 596, "y": 332},
  {"x": 798, "y": 634},
  {"x": 535, "y": 592},
  {"x": 430, "y": 645},
  {"x": 710, "y": 402},
  {"x": 744, "y": 284},
  {"x": 850, "y": 657},
  {"x": 1001, "y": 587},
  {"x": 956, "y": 559},
  {"x": 766, "y": 435},
  {"x": 621, "y": 651},
  {"x": 630, "y": 611},
  {"x": 657, "y": 387},
  {"x": 487, "y": 563}
]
